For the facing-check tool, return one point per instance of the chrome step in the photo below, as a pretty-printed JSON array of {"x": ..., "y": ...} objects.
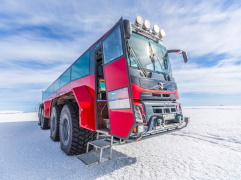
[
  {"x": 101, "y": 144},
  {"x": 88, "y": 159}
]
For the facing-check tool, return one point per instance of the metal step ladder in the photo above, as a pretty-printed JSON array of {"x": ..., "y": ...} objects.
[{"x": 91, "y": 159}]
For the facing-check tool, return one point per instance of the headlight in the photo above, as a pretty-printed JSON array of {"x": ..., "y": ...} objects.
[
  {"x": 138, "y": 115},
  {"x": 140, "y": 128}
]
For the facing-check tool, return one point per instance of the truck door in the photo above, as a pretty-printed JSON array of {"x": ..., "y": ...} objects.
[{"x": 120, "y": 102}]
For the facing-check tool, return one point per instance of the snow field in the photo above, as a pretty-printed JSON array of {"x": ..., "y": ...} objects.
[{"x": 208, "y": 148}]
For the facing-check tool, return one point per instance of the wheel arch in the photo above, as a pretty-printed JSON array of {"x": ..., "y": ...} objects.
[
  {"x": 62, "y": 100},
  {"x": 85, "y": 98}
]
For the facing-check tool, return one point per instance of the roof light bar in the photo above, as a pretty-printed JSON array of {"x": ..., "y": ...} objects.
[
  {"x": 155, "y": 29},
  {"x": 146, "y": 25},
  {"x": 138, "y": 21},
  {"x": 161, "y": 33}
]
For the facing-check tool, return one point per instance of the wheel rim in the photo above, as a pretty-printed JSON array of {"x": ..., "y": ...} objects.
[{"x": 65, "y": 130}]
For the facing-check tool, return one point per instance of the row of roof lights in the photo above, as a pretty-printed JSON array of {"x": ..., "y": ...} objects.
[{"x": 146, "y": 26}]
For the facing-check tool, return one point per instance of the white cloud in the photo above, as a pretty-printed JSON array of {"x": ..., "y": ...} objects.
[
  {"x": 200, "y": 28},
  {"x": 224, "y": 78},
  {"x": 21, "y": 77},
  {"x": 211, "y": 30},
  {"x": 24, "y": 47}
]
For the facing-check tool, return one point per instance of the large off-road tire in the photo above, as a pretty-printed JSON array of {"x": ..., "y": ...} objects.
[
  {"x": 39, "y": 115},
  {"x": 73, "y": 139},
  {"x": 54, "y": 122},
  {"x": 44, "y": 122}
]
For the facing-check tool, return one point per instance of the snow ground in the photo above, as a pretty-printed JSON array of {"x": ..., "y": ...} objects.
[
  {"x": 10, "y": 112},
  {"x": 209, "y": 148}
]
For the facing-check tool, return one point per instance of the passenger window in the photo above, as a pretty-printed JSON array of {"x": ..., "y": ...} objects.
[
  {"x": 65, "y": 78},
  {"x": 81, "y": 67},
  {"x": 47, "y": 92},
  {"x": 56, "y": 84},
  {"x": 50, "y": 90},
  {"x": 44, "y": 95},
  {"x": 112, "y": 46}
]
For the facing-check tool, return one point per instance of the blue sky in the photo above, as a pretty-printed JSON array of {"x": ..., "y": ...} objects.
[{"x": 40, "y": 39}]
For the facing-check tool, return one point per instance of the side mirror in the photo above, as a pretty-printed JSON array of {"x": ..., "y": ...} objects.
[
  {"x": 184, "y": 54},
  {"x": 127, "y": 28}
]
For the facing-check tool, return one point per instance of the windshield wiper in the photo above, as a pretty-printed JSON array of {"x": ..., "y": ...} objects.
[
  {"x": 153, "y": 59},
  {"x": 138, "y": 61}
]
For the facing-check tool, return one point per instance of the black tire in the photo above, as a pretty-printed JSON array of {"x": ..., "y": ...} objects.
[
  {"x": 54, "y": 122},
  {"x": 73, "y": 139},
  {"x": 44, "y": 122},
  {"x": 39, "y": 116}
]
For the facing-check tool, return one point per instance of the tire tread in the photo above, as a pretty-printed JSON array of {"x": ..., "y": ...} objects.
[
  {"x": 56, "y": 137},
  {"x": 80, "y": 136},
  {"x": 45, "y": 124}
]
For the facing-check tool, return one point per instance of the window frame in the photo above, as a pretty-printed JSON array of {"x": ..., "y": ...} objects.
[{"x": 70, "y": 70}]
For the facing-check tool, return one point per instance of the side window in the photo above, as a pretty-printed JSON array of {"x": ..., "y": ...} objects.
[
  {"x": 44, "y": 95},
  {"x": 65, "y": 78},
  {"x": 47, "y": 92},
  {"x": 50, "y": 90},
  {"x": 119, "y": 99},
  {"x": 56, "y": 84},
  {"x": 112, "y": 46},
  {"x": 81, "y": 67}
]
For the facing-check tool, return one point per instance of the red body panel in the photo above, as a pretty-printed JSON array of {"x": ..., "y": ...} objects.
[
  {"x": 121, "y": 122},
  {"x": 136, "y": 91},
  {"x": 86, "y": 107},
  {"x": 116, "y": 77},
  {"x": 47, "y": 106},
  {"x": 89, "y": 82}
]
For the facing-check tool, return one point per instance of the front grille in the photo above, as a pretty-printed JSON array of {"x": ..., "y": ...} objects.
[
  {"x": 164, "y": 109},
  {"x": 159, "y": 96}
]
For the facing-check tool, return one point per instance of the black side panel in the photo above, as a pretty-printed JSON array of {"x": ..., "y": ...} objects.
[{"x": 92, "y": 60}]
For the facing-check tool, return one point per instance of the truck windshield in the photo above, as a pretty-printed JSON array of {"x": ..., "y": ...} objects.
[{"x": 152, "y": 55}]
